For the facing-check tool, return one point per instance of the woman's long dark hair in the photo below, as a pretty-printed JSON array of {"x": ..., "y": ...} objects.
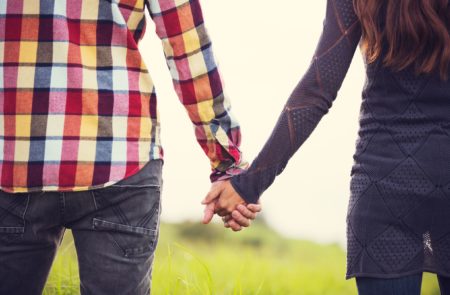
[{"x": 414, "y": 33}]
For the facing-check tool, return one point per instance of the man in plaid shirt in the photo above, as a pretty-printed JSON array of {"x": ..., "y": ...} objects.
[{"x": 80, "y": 135}]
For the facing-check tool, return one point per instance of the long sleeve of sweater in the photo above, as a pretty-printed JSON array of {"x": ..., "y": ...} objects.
[{"x": 309, "y": 102}]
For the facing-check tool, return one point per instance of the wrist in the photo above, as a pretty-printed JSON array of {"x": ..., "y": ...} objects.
[
  {"x": 248, "y": 197},
  {"x": 233, "y": 170}
]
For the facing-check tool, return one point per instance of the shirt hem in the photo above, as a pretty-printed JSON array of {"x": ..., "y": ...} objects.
[
  {"x": 396, "y": 275},
  {"x": 78, "y": 188}
]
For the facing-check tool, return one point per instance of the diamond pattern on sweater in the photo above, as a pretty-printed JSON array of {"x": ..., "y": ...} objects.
[
  {"x": 370, "y": 216},
  {"x": 303, "y": 120},
  {"x": 395, "y": 248},
  {"x": 368, "y": 128},
  {"x": 381, "y": 155},
  {"x": 442, "y": 252},
  {"x": 332, "y": 65},
  {"x": 446, "y": 127},
  {"x": 354, "y": 247},
  {"x": 405, "y": 187},
  {"x": 359, "y": 183},
  {"x": 409, "y": 81},
  {"x": 446, "y": 189},
  {"x": 446, "y": 167},
  {"x": 411, "y": 129},
  {"x": 434, "y": 157},
  {"x": 346, "y": 12}
]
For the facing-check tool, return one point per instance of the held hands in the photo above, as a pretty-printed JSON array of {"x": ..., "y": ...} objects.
[
  {"x": 224, "y": 201},
  {"x": 241, "y": 217}
]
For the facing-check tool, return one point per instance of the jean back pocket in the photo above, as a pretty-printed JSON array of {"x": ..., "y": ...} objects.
[
  {"x": 130, "y": 216},
  {"x": 13, "y": 208}
]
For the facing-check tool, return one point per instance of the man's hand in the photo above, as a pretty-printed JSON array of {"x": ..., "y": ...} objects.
[
  {"x": 223, "y": 200},
  {"x": 228, "y": 200},
  {"x": 224, "y": 197},
  {"x": 213, "y": 195}
]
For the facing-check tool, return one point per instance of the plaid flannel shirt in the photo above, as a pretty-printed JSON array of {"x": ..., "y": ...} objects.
[{"x": 77, "y": 104}]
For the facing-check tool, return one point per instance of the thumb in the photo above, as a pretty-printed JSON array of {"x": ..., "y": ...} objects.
[
  {"x": 208, "y": 213},
  {"x": 211, "y": 196}
]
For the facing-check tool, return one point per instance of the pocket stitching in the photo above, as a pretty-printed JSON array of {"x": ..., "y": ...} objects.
[
  {"x": 12, "y": 229},
  {"x": 150, "y": 215},
  {"x": 16, "y": 229},
  {"x": 135, "y": 251},
  {"x": 100, "y": 224}
]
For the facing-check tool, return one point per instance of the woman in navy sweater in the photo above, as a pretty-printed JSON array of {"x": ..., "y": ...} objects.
[{"x": 398, "y": 222}]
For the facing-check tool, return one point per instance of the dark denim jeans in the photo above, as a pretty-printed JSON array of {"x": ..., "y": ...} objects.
[
  {"x": 115, "y": 230},
  {"x": 408, "y": 285}
]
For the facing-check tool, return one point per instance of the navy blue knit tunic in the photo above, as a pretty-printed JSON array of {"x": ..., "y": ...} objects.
[{"x": 398, "y": 219}]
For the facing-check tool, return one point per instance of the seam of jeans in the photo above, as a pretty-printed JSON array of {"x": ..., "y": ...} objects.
[
  {"x": 93, "y": 199},
  {"x": 25, "y": 211},
  {"x": 62, "y": 205}
]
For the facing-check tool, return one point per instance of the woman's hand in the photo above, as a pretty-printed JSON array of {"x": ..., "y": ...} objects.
[
  {"x": 241, "y": 217},
  {"x": 224, "y": 201}
]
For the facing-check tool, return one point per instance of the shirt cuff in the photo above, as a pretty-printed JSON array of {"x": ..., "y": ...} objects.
[{"x": 231, "y": 171}]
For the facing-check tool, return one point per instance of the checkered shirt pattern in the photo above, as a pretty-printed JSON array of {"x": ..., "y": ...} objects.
[{"x": 78, "y": 108}]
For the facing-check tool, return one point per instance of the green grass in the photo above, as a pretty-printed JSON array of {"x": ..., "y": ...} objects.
[{"x": 196, "y": 259}]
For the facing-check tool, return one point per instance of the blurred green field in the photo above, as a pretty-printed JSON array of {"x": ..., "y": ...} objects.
[{"x": 196, "y": 259}]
